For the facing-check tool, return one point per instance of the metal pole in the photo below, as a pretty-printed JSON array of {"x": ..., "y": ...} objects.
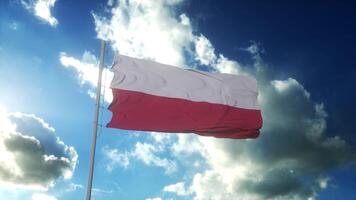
[{"x": 95, "y": 123}]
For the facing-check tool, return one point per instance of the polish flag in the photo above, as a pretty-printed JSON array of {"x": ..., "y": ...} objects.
[{"x": 150, "y": 96}]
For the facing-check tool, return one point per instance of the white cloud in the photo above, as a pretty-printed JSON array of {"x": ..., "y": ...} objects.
[
  {"x": 184, "y": 141},
  {"x": 283, "y": 85},
  {"x": 41, "y": 9},
  {"x": 323, "y": 182},
  {"x": 116, "y": 159},
  {"x": 253, "y": 48},
  {"x": 255, "y": 51},
  {"x": 178, "y": 188},
  {"x": 154, "y": 198},
  {"x": 41, "y": 196},
  {"x": 147, "y": 153},
  {"x": 146, "y": 29},
  {"x": 205, "y": 54},
  {"x": 204, "y": 51},
  {"x": 111, "y": 2},
  {"x": 225, "y": 65},
  {"x": 211, "y": 186},
  {"x": 14, "y": 26},
  {"x": 99, "y": 190},
  {"x": 73, "y": 187},
  {"x": 86, "y": 67},
  {"x": 162, "y": 138},
  {"x": 32, "y": 157},
  {"x": 87, "y": 70}
]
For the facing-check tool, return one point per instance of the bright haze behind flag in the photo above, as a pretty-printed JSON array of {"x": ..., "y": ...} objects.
[{"x": 150, "y": 96}]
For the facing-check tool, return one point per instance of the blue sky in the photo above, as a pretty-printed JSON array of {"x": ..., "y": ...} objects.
[{"x": 301, "y": 53}]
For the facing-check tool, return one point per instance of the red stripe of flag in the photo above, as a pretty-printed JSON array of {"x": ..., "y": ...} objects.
[{"x": 139, "y": 111}]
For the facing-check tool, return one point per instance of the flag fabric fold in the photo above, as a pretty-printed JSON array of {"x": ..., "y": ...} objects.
[{"x": 150, "y": 96}]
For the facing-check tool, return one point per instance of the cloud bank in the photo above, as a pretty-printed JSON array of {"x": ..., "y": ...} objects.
[
  {"x": 291, "y": 156},
  {"x": 41, "y": 9},
  {"x": 32, "y": 156}
]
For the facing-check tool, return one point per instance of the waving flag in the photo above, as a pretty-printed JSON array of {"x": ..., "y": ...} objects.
[{"x": 150, "y": 96}]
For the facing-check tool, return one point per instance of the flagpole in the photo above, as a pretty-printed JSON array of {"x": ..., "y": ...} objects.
[{"x": 95, "y": 122}]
